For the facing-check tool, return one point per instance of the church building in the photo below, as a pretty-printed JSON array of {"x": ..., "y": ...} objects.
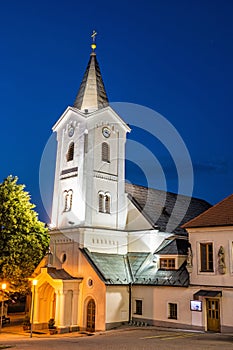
[{"x": 111, "y": 258}]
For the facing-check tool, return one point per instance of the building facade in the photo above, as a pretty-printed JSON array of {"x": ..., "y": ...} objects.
[
  {"x": 211, "y": 271},
  {"x": 111, "y": 259}
]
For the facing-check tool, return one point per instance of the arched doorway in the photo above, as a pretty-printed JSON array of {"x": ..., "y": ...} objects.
[{"x": 91, "y": 316}]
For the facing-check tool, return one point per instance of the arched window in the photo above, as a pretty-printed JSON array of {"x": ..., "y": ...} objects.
[
  {"x": 105, "y": 152},
  {"x": 104, "y": 202},
  {"x": 70, "y": 153},
  {"x": 68, "y": 198},
  {"x": 107, "y": 203},
  {"x": 101, "y": 202}
]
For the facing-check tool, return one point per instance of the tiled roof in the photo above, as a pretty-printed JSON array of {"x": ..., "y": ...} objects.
[
  {"x": 136, "y": 268},
  {"x": 221, "y": 214},
  {"x": 60, "y": 274},
  {"x": 111, "y": 268},
  {"x": 173, "y": 246},
  {"x": 163, "y": 209},
  {"x": 92, "y": 92},
  {"x": 152, "y": 276}
]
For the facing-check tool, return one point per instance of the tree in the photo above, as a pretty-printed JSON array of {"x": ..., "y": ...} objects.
[{"x": 23, "y": 238}]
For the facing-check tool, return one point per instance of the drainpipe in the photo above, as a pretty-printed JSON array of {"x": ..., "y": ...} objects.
[
  {"x": 131, "y": 278},
  {"x": 130, "y": 302}
]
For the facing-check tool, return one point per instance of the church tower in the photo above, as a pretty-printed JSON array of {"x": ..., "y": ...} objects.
[{"x": 89, "y": 187}]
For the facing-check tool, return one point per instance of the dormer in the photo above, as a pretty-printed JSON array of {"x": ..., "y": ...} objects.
[{"x": 172, "y": 253}]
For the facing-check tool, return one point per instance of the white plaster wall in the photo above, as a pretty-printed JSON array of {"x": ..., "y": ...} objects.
[
  {"x": 77, "y": 215},
  {"x": 105, "y": 241},
  {"x": 135, "y": 219},
  {"x": 222, "y": 236},
  {"x": 145, "y": 241},
  {"x": 226, "y": 307},
  {"x": 97, "y": 292},
  {"x": 117, "y": 304},
  {"x": 155, "y": 303},
  {"x": 109, "y": 177}
]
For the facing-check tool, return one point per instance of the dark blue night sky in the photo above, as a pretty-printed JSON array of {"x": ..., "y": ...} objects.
[{"x": 174, "y": 57}]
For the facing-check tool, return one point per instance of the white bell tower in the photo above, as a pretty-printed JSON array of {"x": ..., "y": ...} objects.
[{"x": 89, "y": 187}]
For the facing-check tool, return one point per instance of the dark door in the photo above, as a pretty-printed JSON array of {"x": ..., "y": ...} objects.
[
  {"x": 213, "y": 315},
  {"x": 91, "y": 316}
]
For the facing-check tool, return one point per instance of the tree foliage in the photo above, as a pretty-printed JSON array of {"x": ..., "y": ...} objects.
[{"x": 23, "y": 238}]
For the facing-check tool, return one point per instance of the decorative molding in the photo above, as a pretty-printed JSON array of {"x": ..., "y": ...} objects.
[
  {"x": 71, "y": 172},
  {"x": 105, "y": 176}
]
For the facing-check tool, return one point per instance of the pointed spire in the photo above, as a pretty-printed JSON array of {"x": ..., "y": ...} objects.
[{"x": 92, "y": 95}]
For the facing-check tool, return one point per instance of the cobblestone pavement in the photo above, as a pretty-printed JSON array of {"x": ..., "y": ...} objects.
[{"x": 132, "y": 338}]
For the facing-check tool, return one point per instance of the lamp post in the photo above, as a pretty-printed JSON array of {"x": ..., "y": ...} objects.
[
  {"x": 34, "y": 283},
  {"x": 2, "y": 309}
]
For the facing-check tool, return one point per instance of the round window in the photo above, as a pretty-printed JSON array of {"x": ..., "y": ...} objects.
[
  {"x": 63, "y": 258},
  {"x": 90, "y": 282}
]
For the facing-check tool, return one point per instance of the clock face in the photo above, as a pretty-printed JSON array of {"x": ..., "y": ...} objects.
[
  {"x": 71, "y": 131},
  {"x": 106, "y": 132}
]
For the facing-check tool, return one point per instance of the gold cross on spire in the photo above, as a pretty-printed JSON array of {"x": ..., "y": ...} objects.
[{"x": 93, "y": 35}]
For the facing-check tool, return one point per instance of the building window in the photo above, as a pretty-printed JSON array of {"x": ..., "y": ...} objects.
[
  {"x": 101, "y": 202},
  {"x": 138, "y": 307},
  {"x": 68, "y": 198},
  {"x": 168, "y": 264},
  {"x": 172, "y": 311},
  {"x": 107, "y": 203},
  {"x": 105, "y": 152},
  {"x": 63, "y": 258},
  {"x": 104, "y": 202},
  {"x": 70, "y": 153},
  {"x": 206, "y": 252}
]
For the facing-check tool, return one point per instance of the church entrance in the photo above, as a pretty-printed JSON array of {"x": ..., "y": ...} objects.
[
  {"x": 213, "y": 315},
  {"x": 91, "y": 316}
]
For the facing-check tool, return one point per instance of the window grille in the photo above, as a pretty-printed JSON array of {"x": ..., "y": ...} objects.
[
  {"x": 105, "y": 152},
  {"x": 70, "y": 153},
  {"x": 68, "y": 198},
  {"x": 172, "y": 308}
]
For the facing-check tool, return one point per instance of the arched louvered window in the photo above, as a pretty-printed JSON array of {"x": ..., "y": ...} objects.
[
  {"x": 70, "y": 153},
  {"x": 107, "y": 203},
  {"x": 104, "y": 202},
  {"x": 105, "y": 152},
  {"x": 101, "y": 202},
  {"x": 68, "y": 198}
]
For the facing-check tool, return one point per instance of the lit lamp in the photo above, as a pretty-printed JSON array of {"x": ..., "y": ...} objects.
[
  {"x": 34, "y": 283},
  {"x": 2, "y": 309}
]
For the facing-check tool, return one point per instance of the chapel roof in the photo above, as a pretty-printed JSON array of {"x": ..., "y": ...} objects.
[
  {"x": 60, "y": 274},
  {"x": 165, "y": 210},
  {"x": 221, "y": 214},
  {"x": 138, "y": 268}
]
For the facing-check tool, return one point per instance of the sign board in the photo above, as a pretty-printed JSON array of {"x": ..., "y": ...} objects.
[{"x": 195, "y": 305}]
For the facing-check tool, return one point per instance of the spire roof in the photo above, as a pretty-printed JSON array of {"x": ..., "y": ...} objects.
[{"x": 91, "y": 95}]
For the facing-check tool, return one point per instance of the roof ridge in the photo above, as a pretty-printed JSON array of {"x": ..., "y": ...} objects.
[
  {"x": 169, "y": 192},
  {"x": 206, "y": 212}
]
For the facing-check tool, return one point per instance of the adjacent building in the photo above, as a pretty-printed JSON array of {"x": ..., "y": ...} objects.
[{"x": 211, "y": 269}]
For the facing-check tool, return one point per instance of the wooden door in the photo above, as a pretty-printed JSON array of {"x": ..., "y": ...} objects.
[
  {"x": 91, "y": 316},
  {"x": 213, "y": 315}
]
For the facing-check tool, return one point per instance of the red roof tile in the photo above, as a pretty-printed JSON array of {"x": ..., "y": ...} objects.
[{"x": 221, "y": 214}]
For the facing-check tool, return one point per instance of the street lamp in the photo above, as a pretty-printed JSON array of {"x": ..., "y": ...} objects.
[
  {"x": 34, "y": 283},
  {"x": 2, "y": 309}
]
